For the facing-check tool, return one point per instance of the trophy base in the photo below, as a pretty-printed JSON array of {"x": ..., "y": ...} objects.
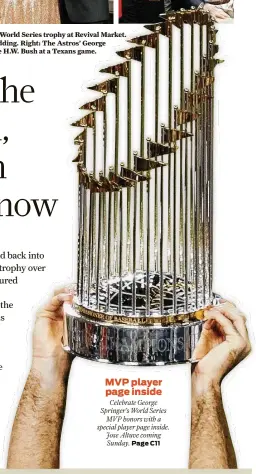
[{"x": 107, "y": 342}]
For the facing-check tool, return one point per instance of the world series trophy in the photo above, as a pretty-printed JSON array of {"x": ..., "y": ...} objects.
[{"x": 145, "y": 244}]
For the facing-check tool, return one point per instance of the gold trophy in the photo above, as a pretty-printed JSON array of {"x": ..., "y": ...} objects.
[{"x": 145, "y": 245}]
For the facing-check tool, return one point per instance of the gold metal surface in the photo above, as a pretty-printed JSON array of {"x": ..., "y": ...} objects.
[{"x": 140, "y": 320}]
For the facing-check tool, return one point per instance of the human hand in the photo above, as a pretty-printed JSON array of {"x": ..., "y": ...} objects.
[
  {"x": 216, "y": 13},
  {"x": 48, "y": 354},
  {"x": 224, "y": 342}
]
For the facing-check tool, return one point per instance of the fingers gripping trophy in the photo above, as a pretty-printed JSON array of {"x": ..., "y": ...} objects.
[{"x": 145, "y": 199}]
